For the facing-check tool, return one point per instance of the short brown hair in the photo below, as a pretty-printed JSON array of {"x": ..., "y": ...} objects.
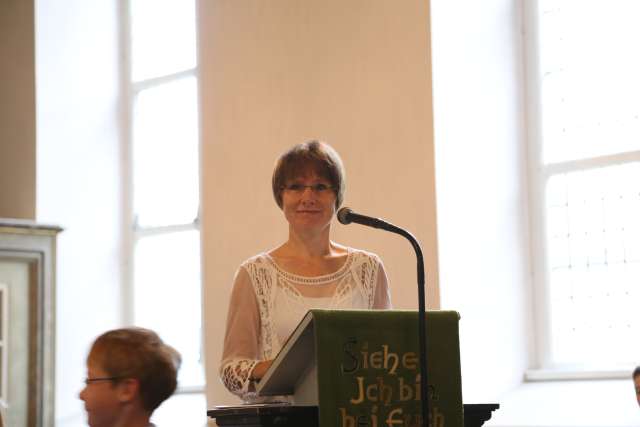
[
  {"x": 140, "y": 354},
  {"x": 636, "y": 372},
  {"x": 312, "y": 155}
]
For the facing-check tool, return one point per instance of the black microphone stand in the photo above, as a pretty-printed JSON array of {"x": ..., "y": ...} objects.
[
  {"x": 378, "y": 223},
  {"x": 424, "y": 388}
]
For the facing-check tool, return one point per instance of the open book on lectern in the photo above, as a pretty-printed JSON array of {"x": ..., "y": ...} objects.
[{"x": 362, "y": 367}]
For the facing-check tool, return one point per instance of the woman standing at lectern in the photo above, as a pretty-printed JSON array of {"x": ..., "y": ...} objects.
[{"x": 273, "y": 290}]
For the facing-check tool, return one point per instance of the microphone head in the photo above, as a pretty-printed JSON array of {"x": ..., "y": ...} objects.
[{"x": 344, "y": 215}]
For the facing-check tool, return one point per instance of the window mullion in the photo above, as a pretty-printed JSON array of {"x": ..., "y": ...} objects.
[
  {"x": 172, "y": 228},
  {"x": 591, "y": 163},
  {"x": 158, "y": 81},
  {"x": 537, "y": 183},
  {"x": 127, "y": 170}
]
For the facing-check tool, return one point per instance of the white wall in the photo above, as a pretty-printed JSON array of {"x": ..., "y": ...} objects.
[
  {"x": 354, "y": 73},
  {"x": 481, "y": 189},
  {"x": 78, "y": 180}
]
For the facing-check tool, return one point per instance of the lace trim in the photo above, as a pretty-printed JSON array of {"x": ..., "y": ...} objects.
[
  {"x": 235, "y": 375},
  {"x": 368, "y": 279},
  {"x": 263, "y": 285},
  {"x": 343, "y": 293},
  {"x": 316, "y": 280},
  {"x": 339, "y": 296}
]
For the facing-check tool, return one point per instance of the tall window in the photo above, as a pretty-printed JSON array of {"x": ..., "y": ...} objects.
[
  {"x": 586, "y": 182},
  {"x": 164, "y": 178}
]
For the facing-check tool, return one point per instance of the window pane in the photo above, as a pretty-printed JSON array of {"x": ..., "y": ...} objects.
[
  {"x": 593, "y": 241},
  {"x": 163, "y": 37},
  {"x": 165, "y": 154},
  {"x": 167, "y": 296},
  {"x": 590, "y": 90}
]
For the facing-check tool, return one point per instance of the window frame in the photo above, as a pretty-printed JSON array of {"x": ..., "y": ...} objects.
[
  {"x": 132, "y": 232},
  {"x": 542, "y": 368}
]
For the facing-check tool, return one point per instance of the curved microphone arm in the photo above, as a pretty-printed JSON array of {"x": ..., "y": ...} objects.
[
  {"x": 347, "y": 216},
  {"x": 424, "y": 397}
]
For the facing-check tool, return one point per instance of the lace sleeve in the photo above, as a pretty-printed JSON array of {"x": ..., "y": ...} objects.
[
  {"x": 382, "y": 296},
  {"x": 241, "y": 342}
]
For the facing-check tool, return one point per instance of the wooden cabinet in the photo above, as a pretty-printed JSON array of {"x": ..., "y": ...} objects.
[{"x": 27, "y": 323}]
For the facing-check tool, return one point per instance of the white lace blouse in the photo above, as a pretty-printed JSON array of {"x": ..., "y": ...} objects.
[{"x": 267, "y": 303}]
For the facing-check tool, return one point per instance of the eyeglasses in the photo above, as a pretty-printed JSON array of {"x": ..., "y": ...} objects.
[
  {"x": 88, "y": 381},
  {"x": 300, "y": 188}
]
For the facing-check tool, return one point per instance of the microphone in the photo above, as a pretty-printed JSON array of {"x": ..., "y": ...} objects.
[{"x": 347, "y": 216}]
